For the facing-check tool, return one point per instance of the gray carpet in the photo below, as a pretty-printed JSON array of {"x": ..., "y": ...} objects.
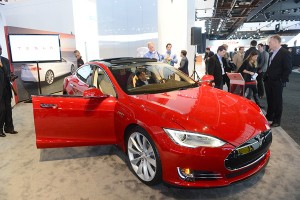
[{"x": 88, "y": 173}]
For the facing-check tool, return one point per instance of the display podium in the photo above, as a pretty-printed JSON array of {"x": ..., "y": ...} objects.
[{"x": 237, "y": 83}]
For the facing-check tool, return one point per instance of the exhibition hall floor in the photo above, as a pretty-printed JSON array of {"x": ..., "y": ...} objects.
[{"x": 100, "y": 172}]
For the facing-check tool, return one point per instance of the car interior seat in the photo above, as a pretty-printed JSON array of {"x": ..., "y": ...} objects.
[{"x": 104, "y": 84}]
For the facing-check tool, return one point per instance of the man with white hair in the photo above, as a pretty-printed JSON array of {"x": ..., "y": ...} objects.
[{"x": 152, "y": 53}]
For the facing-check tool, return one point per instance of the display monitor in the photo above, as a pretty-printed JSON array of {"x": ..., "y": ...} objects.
[{"x": 34, "y": 48}]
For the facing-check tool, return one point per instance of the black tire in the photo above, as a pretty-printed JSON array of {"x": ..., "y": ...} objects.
[
  {"x": 143, "y": 157},
  {"x": 49, "y": 77}
]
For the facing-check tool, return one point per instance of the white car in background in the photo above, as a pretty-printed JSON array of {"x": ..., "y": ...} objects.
[{"x": 48, "y": 71}]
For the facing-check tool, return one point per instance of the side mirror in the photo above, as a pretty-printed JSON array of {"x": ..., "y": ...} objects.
[
  {"x": 207, "y": 80},
  {"x": 93, "y": 93}
]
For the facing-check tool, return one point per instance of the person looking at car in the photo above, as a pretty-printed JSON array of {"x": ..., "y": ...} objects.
[
  {"x": 248, "y": 71},
  {"x": 152, "y": 53},
  {"x": 6, "y": 121},
  {"x": 216, "y": 67},
  {"x": 170, "y": 57},
  {"x": 79, "y": 58}
]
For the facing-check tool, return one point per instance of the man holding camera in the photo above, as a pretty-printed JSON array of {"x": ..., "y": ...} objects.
[{"x": 6, "y": 121}]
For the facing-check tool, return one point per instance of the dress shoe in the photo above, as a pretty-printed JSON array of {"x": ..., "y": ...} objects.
[
  {"x": 274, "y": 125},
  {"x": 11, "y": 131},
  {"x": 2, "y": 135}
]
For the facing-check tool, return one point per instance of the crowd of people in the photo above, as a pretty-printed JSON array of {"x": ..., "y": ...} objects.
[
  {"x": 169, "y": 57},
  {"x": 264, "y": 72}
]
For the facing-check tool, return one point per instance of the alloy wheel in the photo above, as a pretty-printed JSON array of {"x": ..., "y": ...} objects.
[
  {"x": 49, "y": 77},
  {"x": 142, "y": 156}
]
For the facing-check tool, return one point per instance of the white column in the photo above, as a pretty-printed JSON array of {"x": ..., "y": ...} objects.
[
  {"x": 175, "y": 19},
  {"x": 86, "y": 29}
]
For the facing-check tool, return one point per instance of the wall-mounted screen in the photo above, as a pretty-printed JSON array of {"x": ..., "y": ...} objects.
[{"x": 34, "y": 48}]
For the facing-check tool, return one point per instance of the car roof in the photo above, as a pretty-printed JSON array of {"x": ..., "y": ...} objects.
[{"x": 112, "y": 62}]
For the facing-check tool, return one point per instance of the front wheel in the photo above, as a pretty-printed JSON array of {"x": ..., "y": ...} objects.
[{"x": 143, "y": 156}]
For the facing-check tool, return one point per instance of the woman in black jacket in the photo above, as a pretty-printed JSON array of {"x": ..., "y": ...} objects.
[{"x": 248, "y": 71}]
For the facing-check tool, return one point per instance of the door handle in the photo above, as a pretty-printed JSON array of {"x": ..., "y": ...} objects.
[
  {"x": 46, "y": 105},
  {"x": 72, "y": 85}
]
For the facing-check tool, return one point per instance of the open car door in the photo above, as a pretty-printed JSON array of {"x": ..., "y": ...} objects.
[{"x": 67, "y": 121}]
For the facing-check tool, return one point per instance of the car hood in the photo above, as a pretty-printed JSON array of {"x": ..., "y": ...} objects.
[{"x": 207, "y": 110}]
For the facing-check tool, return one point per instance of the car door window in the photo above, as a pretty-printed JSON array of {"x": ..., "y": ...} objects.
[
  {"x": 85, "y": 73},
  {"x": 104, "y": 83}
]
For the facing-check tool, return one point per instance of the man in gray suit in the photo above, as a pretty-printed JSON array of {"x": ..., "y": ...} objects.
[{"x": 262, "y": 68}]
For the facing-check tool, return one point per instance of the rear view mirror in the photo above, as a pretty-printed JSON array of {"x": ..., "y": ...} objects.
[
  {"x": 93, "y": 93},
  {"x": 207, "y": 80}
]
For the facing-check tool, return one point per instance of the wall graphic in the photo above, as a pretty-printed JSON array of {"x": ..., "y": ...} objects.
[{"x": 52, "y": 74}]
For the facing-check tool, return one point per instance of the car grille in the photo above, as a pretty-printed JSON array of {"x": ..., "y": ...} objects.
[
  {"x": 206, "y": 175},
  {"x": 249, "y": 153}
]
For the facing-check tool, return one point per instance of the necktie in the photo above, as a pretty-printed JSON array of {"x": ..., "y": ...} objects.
[{"x": 270, "y": 58}]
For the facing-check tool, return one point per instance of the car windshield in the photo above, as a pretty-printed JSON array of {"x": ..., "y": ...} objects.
[{"x": 151, "y": 78}]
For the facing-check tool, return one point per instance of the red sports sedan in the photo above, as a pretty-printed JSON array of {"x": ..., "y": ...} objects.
[{"x": 171, "y": 128}]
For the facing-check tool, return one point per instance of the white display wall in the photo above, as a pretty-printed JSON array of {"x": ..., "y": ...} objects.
[
  {"x": 124, "y": 26},
  {"x": 50, "y": 15}
]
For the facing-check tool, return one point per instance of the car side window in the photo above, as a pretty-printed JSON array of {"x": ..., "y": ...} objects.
[
  {"x": 104, "y": 83},
  {"x": 85, "y": 73}
]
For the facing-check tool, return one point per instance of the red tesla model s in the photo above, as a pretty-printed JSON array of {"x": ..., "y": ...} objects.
[{"x": 171, "y": 128}]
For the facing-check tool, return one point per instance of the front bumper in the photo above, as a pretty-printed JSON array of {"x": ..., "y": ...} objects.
[{"x": 208, "y": 167}]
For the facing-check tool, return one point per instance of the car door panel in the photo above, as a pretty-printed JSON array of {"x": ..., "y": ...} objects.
[{"x": 62, "y": 121}]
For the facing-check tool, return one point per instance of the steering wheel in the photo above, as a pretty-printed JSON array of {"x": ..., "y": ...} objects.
[{"x": 163, "y": 80}]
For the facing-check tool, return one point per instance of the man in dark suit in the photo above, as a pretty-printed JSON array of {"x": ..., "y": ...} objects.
[
  {"x": 207, "y": 56},
  {"x": 253, "y": 44},
  {"x": 6, "y": 121},
  {"x": 275, "y": 79},
  {"x": 78, "y": 58},
  {"x": 216, "y": 67}
]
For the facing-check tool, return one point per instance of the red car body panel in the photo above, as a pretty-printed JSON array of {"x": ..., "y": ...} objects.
[
  {"x": 77, "y": 122},
  {"x": 64, "y": 121}
]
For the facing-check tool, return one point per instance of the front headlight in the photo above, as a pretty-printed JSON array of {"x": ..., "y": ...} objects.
[{"x": 193, "y": 140}]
